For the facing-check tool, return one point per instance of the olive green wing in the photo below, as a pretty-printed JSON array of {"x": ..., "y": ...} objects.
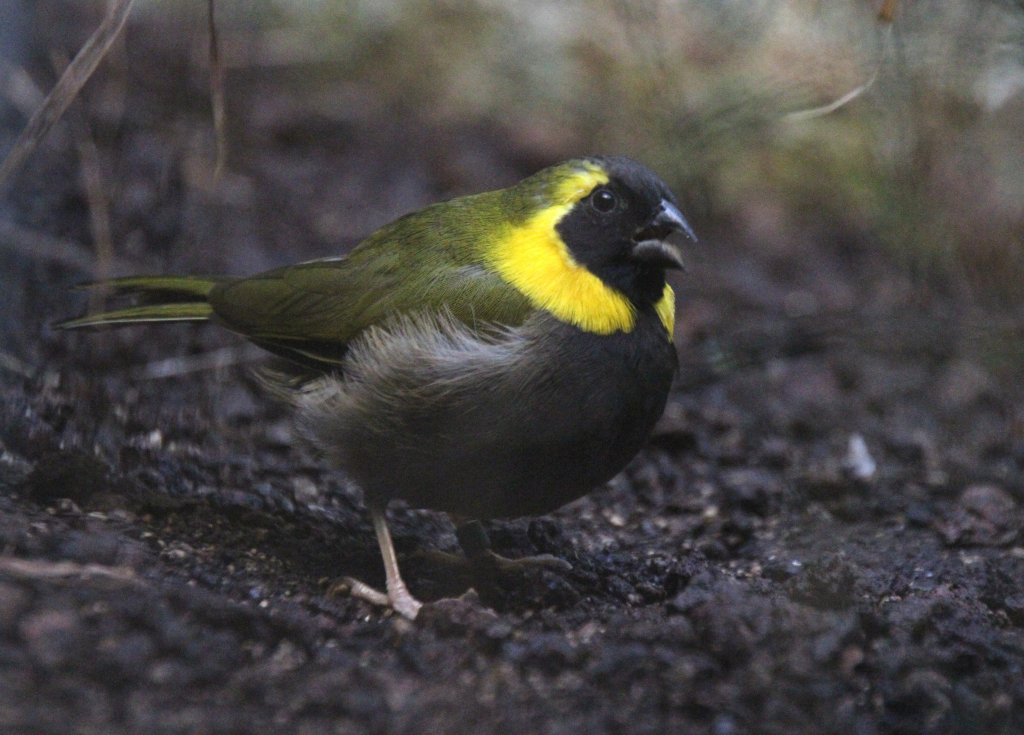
[{"x": 309, "y": 312}]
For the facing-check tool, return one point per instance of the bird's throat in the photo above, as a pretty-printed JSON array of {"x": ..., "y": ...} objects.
[{"x": 534, "y": 259}]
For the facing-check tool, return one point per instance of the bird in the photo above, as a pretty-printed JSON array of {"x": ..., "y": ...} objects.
[{"x": 496, "y": 355}]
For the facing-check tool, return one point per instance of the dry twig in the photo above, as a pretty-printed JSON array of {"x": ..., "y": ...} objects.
[
  {"x": 43, "y": 569},
  {"x": 66, "y": 89},
  {"x": 220, "y": 124}
]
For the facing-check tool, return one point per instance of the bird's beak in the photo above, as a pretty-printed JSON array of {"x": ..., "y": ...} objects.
[{"x": 653, "y": 242}]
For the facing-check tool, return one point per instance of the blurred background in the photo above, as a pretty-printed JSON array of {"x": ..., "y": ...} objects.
[
  {"x": 824, "y": 533},
  {"x": 803, "y": 138}
]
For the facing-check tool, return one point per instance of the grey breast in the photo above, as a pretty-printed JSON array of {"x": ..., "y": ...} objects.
[{"x": 503, "y": 422}]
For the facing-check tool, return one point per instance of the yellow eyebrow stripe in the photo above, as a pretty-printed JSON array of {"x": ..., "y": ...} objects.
[{"x": 534, "y": 259}]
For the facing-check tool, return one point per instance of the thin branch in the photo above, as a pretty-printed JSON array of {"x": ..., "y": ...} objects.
[
  {"x": 42, "y": 569},
  {"x": 98, "y": 200},
  {"x": 96, "y": 195},
  {"x": 66, "y": 89},
  {"x": 220, "y": 124},
  {"x": 853, "y": 94}
]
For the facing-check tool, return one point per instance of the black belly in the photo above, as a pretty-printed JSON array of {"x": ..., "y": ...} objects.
[{"x": 527, "y": 443}]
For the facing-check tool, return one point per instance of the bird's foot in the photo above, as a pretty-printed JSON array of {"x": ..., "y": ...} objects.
[
  {"x": 476, "y": 544},
  {"x": 398, "y": 599},
  {"x": 489, "y": 560},
  {"x": 504, "y": 564}
]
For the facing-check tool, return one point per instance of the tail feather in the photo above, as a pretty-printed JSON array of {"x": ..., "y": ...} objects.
[
  {"x": 163, "y": 299},
  {"x": 169, "y": 285},
  {"x": 149, "y": 314}
]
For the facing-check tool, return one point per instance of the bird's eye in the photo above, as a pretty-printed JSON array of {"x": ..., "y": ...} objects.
[{"x": 603, "y": 200}]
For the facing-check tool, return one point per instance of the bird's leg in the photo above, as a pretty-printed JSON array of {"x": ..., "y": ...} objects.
[
  {"x": 398, "y": 597},
  {"x": 398, "y": 594},
  {"x": 474, "y": 541}
]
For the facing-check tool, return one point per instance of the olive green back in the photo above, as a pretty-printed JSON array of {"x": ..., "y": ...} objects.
[{"x": 427, "y": 261}]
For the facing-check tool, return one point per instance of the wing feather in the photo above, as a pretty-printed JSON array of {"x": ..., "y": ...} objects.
[{"x": 316, "y": 308}]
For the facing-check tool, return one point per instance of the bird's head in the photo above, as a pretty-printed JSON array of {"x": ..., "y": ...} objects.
[{"x": 593, "y": 238}]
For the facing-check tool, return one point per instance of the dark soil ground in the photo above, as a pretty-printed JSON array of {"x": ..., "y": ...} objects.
[{"x": 166, "y": 548}]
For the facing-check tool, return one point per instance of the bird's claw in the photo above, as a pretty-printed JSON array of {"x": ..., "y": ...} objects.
[{"x": 399, "y": 600}]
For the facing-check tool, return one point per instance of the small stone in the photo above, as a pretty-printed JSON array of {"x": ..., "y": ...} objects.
[
  {"x": 50, "y": 636},
  {"x": 989, "y": 502},
  {"x": 779, "y": 570},
  {"x": 985, "y": 515},
  {"x": 858, "y": 461}
]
